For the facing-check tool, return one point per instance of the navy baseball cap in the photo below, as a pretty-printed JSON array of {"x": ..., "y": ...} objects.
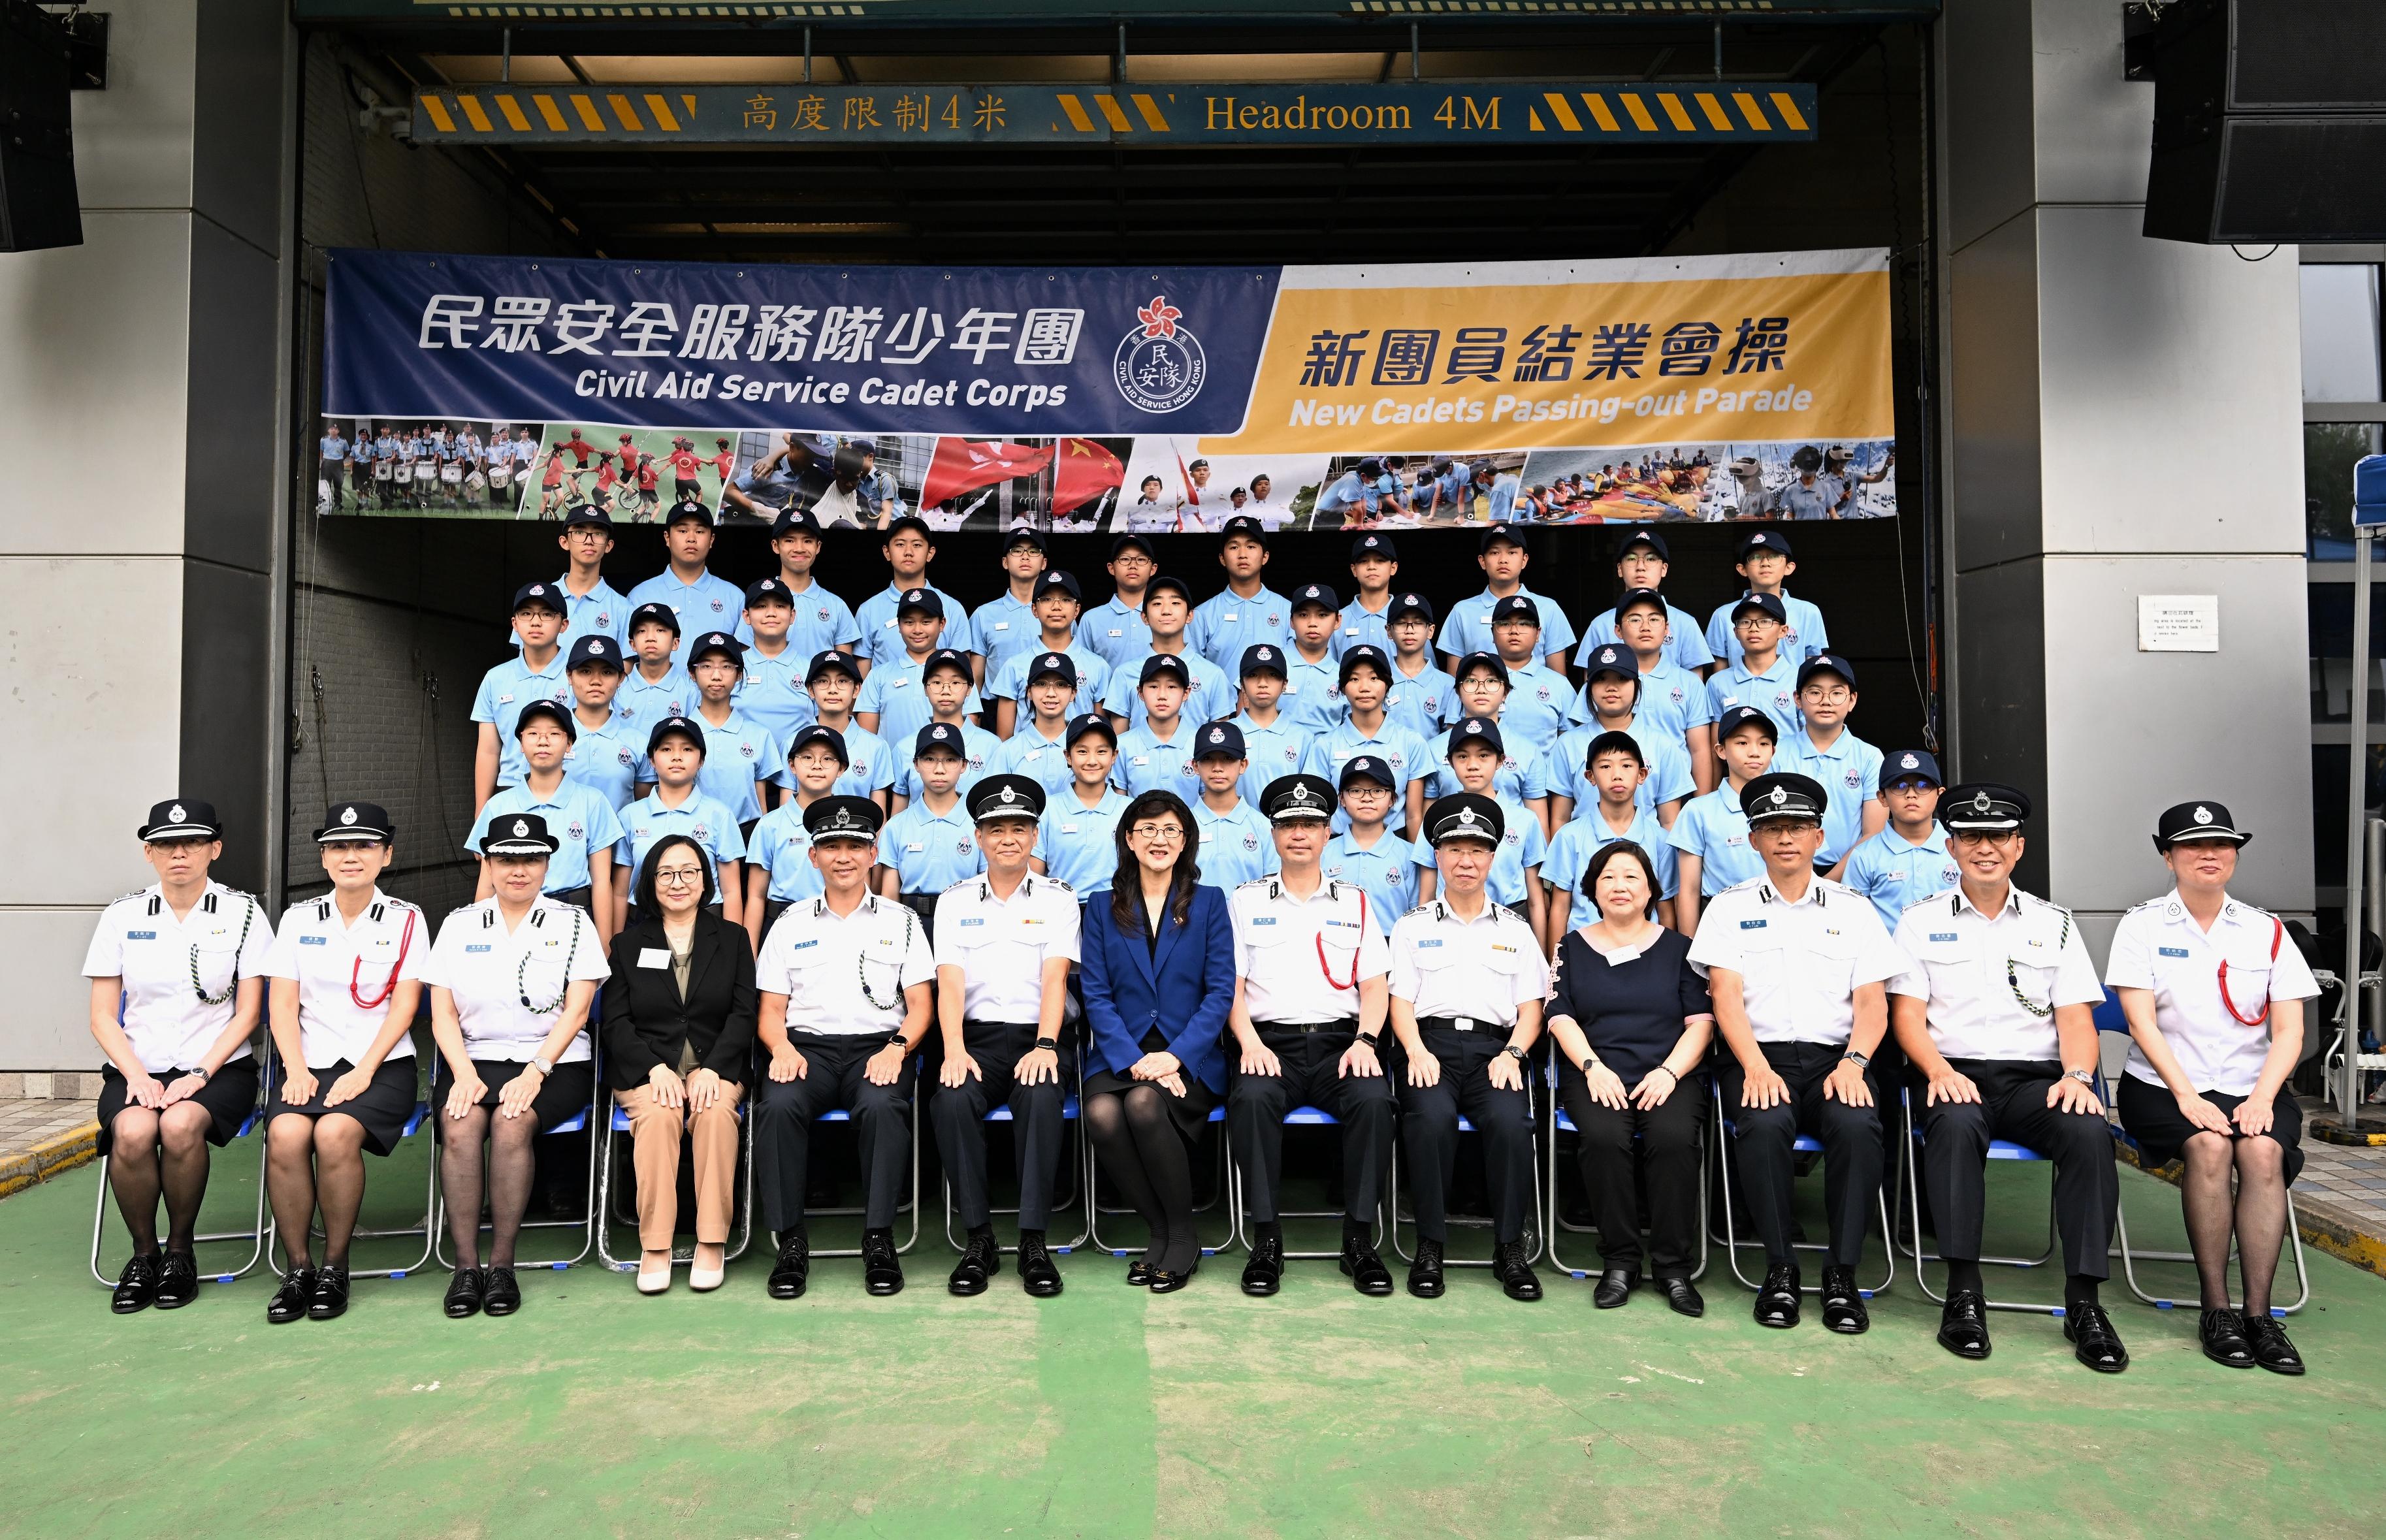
[
  {"x": 938, "y": 738},
  {"x": 1053, "y": 665},
  {"x": 1314, "y": 595},
  {"x": 1368, "y": 767},
  {"x": 1635, "y": 597},
  {"x": 1826, "y": 663},
  {"x": 1263, "y": 660},
  {"x": 1734, "y": 717},
  {"x": 538, "y": 595},
  {"x": 829, "y": 737},
  {"x": 1052, "y": 580},
  {"x": 1022, "y": 535},
  {"x": 1164, "y": 665},
  {"x": 1768, "y": 604},
  {"x": 1650, "y": 538},
  {"x": 1474, "y": 661},
  {"x": 1612, "y": 659},
  {"x": 768, "y": 591},
  {"x": 1909, "y": 764},
  {"x": 1134, "y": 541},
  {"x": 919, "y": 601},
  {"x": 911, "y": 522},
  {"x": 1366, "y": 655},
  {"x": 1517, "y": 606},
  {"x": 833, "y": 661},
  {"x": 1499, "y": 533},
  {"x": 1092, "y": 721},
  {"x": 586, "y": 513},
  {"x": 551, "y": 711},
  {"x": 603, "y": 651},
  {"x": 1762, "y": 540},
  {"x": 1479, "y": 730},
  {"x": 946, "y": 658},
  {"x": 1373, "y": 547},
  {"x": 1174, "y": 585},
  {"x": 1408, "y": 604},
  {"x": 675, "y": 727},
  {"x": 1220, "y": 740},
  {"x": 719, "y": 642},
  {"x": 654, "y": 614},
  {"x": 1241, "y": 524},
  {"x": 794, "y": 521}
]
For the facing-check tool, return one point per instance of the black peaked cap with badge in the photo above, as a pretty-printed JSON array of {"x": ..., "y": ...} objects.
[
  {"x": 520, "y": 835},
  {"x": 843, "y": 818},
  {"x": 183, "y": 819},
  {"x": 365, "y": 823},
  {"x": 940, "y": 737},
  {"x": 2198, "y": 820},
  {"x": 1001, "y": 796},
  {"x": 1464, "y": 816},
  {"x": 1783, "y": 795},
  {"x": 1296, "y": 799},
  {"x": 1982, "y": 807}
]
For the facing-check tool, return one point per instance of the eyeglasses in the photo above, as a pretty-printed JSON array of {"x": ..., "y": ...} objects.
[
  {"x": 678, "y": 875},
  {"x": 1834, "y": 694},
  {"x": 1166, "y": 833}
]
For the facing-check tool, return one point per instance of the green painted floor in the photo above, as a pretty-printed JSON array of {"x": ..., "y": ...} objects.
[{"x": 1107, "y": 1412}]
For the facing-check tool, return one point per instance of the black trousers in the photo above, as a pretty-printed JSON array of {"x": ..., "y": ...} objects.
[
  {"x": 958, "y": 1114},
  {"x": 1308, "y": 1059},
  {"x": 1429, "y": 1131},
  {"x": 2013, "y": 1105},
  {"x": 1619, "y": 1149},
  {"x": 1852, "y": 1152},
  {"x": 785, "y": 1110}
]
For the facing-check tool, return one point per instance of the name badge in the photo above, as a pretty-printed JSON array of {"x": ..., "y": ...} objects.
[
  {"x": 1002, "y": 625},
  {"x": 1115, "y": 631},
  {"x": 913, "y": 849},
  {"x": 1264, "y": 920},
  {"x": 1944, "y": 936},
  {"x": 2172, "y": 951},
  {"x": 654, "y": 956},
  {"x": 805, "y": 946},
  {"x": 967, "y": 923},
  {"x": 1427, "y": 945},
  {"x": 140, "y": 935},
  {"x": 1230, "y": 617},
  {"x": 1068, "y": 828},
  {"x": 480, "y": 946},
  {"x": 314, "y": 941},
  {"x": 1751, "y": 924},
  {"x": 1623, "y": 954}
]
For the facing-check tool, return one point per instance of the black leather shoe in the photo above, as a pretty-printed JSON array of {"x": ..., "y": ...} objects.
[
  {"x": 331, "y": 1300},
  {"x": 1264, "y": 1274},
  {"x": 1843, "y": 1304},
  {"x": 464, "y": 1294},
  {"x": 1615, "y": 1290},
  {"x": 981, "y": 1258},
  {"x": 499, "y": 1293},
  {"x": 2094, "y": 1343},
  {"x": 1164, "y": 1281},
  {"x": 136, "y": 1286},
  {"x": 2272, "y": 1349},
  {"x": 2223, "y": 1339},
  {"x": 1514, "y": 1270},
  {"x": 1138, "y": 1273},
  {"x": 1037, "y": 1275},
  {"x": 178, "y": 1280},
  {"x": 882, "y": 1274},
  {"x": 794, "y": 1269},
  {"x": 1682, "y": 1296},
  {"x": 1963, "y": 1324},
  {"x": 1366, "y": 1269},
  {"x": 1776, "y": 1297},
  {"x": 1425, "y": 1274},
  {"x": 289, "y": 1301}
]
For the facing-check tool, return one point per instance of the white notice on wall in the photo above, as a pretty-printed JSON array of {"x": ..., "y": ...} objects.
[{"x": 2178, "y": 623}]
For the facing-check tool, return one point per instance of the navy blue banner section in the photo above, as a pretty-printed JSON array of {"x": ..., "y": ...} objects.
[{"x": 978, "y": 352}]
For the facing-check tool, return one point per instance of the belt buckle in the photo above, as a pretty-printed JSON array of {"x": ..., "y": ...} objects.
[{"x": 1463, "y": 1023}]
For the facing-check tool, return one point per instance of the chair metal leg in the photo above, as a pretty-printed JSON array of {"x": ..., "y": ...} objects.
[
  {"x": 1734, "y": 1245},
  {"x": 600, "y": 1205},
  {"x": 1533, "y": 1240},
  {"x": 1911, "y": 1164},
  {"x": 2162, "y": 1302},
  {"x": 912, "y": 1207},
  {"x": 1094, "y": 1210},
  {"x": 1557, "y": 1225},
  {"x": 1238, "y": 1192},
  {"x": 260, "y": 1232},
  {"x": 1069, "y": 1164}
]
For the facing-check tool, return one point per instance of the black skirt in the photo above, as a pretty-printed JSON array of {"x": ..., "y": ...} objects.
[
  {"x": 1188, "y": 1112},
  {"x": 2150, "y": 1115},
  {"x": 383, "y": 1108},
  {"x": 564, "y": 1095},
  {"x": 230, "y": 1095}
]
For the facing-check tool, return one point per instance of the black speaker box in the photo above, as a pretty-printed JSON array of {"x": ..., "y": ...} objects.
[{"x": 38, "y": 204}]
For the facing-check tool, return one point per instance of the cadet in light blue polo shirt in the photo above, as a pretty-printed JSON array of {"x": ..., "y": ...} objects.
[
  {"x": 1613, "y": 692},
  {"x": 1075, "y": 840},
  {"x": 591, "y": 605},
  {"x": 1159, "y": 755},
  {"x": 835, "y": 681},
  {"x": 576, "y": 812},
  {"x": 536, "y": 672},
  {"x": 1765, "y": 563},
  {"x": 1504, "y": 559},
  {"x": 1038, "y": 744},
  {"x": 909, "y": 547},
  {"x": 738, "y": 751},
  {"x": 1368, "y": 853},
  {"x": 702, "y": 602},
  {"x": 1373, "y": 564},
  {"x": 1089, "y": 674},
  {"x": 1539, "y": 696},
  {"x": 977, "y": 749},
  {"x": 897, "y": 696},
  {"x": 821, "y": 619},
  {"x": 1523, "y": 846},
  {"x": 656, "y": 685},
  {"x": 678, "y": 805},
  {"x": 1848, "y": 768},
  {"x": 1762, "y": 677},
  {"x": 1673, "y": 699},
  {"x": 1168, "y": 610},
  {"x": 1423, "y": 697},
  {"x": 1570, "y": 853},
  {"x": 1005, "y": 626},
  {"x": 925, "y": 849},
  {"x": 607, "y": 751},
  {"x": 1115, "y": 629},
  {"x": 1313, "y": 686},
  {"x": 780, "y": 847},
  {"x": 1713, "y": 827},
  {"x": 773, "y": 691},
  {"x": 1274, "y": 743},
  {"x": 1642, "y": 562},
  {"x": 1248, "y": 613},
  {"x": 1365, "y": 681},
  {"x": 1907, "y": 861},
  {"x": 1234, "y": 844}
]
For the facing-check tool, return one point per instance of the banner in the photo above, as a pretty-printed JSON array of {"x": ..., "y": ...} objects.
[{"x": 1747, "y": 386}]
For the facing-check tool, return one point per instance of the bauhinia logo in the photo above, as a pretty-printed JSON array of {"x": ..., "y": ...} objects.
[{"x": 1159, "y": 366}]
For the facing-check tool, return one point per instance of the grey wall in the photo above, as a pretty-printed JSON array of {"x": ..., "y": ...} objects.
[{"x": 2103, "y": 396}]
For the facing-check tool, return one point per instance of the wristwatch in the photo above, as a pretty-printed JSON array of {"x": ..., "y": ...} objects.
[
  {"x": 1514, "y": 1052},
  {"x": 896, "y": 1040},
  {"x": 1859, "y": 1061},
  {"x": 2085, "y": 1077},
  {"x": 544, "y": 1066},
  {"x": 1052, "y": 1042},
  {"x": 1590, "y": 1062},
  {"x": 202, "y": 1072},
  {"x": 1371, "y": 1038}
]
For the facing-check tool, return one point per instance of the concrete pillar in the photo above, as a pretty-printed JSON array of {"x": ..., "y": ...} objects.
[
  {"x": 2122, "y": 417},
  {"x": 140, "y": 413}
]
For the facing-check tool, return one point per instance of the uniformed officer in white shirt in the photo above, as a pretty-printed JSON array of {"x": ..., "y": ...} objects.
[
  {"x": 1311, "y": 996},
  {"x": 1467, "y": 984},
  {"x": 175, "y": 992},
  {"x": 1995, "y": 1022},
  {"x": 1799, "y": 968},
  {"x": 2213, "y": 990},
  {"x": 511, "y": 978},
  {"x": 1004, "y": 942},
  {"x": 844, "y": 981},
  {"x": 346, "y": 971}
]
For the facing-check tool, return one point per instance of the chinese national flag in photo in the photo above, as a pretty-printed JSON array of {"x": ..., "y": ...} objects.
[
  {"x": 1083, "y": 471},
  {"x": 963, "y": 465}
]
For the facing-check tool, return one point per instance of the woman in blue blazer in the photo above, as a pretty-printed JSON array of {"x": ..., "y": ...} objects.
[{"x": 1159, "y": 973}]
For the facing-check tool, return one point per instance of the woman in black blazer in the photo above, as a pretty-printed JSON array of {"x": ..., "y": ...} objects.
[{"x": 679, "y": 1043}]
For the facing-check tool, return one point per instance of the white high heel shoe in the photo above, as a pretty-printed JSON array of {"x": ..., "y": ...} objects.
[
  {"x": 654, "y": 1283},
  {"x": 703, "y": 1279}
]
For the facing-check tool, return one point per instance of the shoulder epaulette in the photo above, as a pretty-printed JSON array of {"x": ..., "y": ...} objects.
[
  {"x": 2044, "y": 903},
  {"x": 1058, "y": 884},
  {"x": 1256, "y": 881},
  {"x": 121, "y": 897},
  {"x": 1419, "y": 909},
  {"x": 1926, "y": 899},
  {"x": 2148, "y": 904},
  {"x": 1744, "y": 882},
  {"x": 962, "y": 883}
]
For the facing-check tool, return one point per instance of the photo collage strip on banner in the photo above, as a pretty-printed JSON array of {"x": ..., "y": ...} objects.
[{"x": 1083, "y": 400}]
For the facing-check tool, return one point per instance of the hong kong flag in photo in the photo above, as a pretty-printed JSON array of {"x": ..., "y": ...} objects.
[
  {"x": 963, "y": 465},
  {"x": 1083, "y": 471}
]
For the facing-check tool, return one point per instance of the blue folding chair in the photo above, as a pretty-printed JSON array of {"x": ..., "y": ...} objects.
[
  {"x": 839, "y": 1115},
  {"x": 1999, "y": 1149},
  {"x": 259, "y": 1234},
  {"x": 1094, "y": 1210},
  {"x": 680, "y": 1257},
  {"x": 2109, "y": 1017},
  {"x": 1803, "y": 1145},
  {"x": 1560, "y": 1122},
  {"x": 1532, "y": 1238},
  {"x": 1299, "y": 1117},
  {"x": 1000, "y": 1113}
]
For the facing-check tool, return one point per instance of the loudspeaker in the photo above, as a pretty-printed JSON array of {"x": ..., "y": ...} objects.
[
  {"x": 38, "y": 202},
  {"x": 2269, "y": 121}
]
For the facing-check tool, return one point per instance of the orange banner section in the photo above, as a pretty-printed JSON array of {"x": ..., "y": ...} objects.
[{"x": 1549, "y": 365}]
